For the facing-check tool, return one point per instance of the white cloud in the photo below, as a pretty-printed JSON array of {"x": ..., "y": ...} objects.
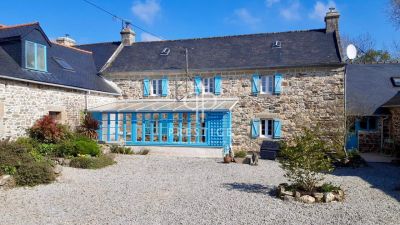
[
  {"x": 320, "y": 9},
  {"x": 269, "y": 3},
  {"x": 244, "y": 16},
  {"x": 146, "y": 10},
  {"x": 291, "y": 12},
  {"x": 148, "y": 37}
]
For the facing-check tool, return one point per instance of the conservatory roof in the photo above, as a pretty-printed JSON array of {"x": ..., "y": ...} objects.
[{"x": 164, "y": 105}]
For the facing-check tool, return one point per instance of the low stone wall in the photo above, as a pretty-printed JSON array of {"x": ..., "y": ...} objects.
[
  {"x": 309, "y": 97},
  {"x": 21, "y": 104}
]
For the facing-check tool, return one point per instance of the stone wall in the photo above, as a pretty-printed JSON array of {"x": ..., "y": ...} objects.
[
  {"x": 21, "y": 104},
  {"x": 369, "y": 141},
  {"x": 309, "y": 96},
  {"x": 395, "y": 124}
]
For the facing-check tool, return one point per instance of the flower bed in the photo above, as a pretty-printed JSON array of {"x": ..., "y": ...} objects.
[{"x": 287, "y": 192}]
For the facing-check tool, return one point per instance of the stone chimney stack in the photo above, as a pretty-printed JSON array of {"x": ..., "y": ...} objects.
[
  {"x": 66, "y": 40},
  {"x": 332, "y": 20},
  {"x": 127, "y": 36}
]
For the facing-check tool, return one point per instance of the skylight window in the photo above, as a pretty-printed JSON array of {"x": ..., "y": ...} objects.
[
  {"x": 396, "y": 81},
  {"x": 63, "y": 64}
]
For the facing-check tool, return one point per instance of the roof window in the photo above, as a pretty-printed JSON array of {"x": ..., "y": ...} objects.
[
  {"x": 165, "y": 51},
  {"x": 277, "y": 44},
  {"x": 63, "y": 64}
]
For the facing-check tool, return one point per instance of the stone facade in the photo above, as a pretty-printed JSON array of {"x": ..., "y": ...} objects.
[
  {"x": 309, "y": 96},
  {"x": 21, "y": 104},
  {"x": 395, "y": 124}
]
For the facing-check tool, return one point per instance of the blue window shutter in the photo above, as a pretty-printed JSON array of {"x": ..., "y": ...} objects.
[
  {"x": 146, "y": 87},
  {"x": 217, "y": 83},
  {"x": 197, "y": 84},
  {"x": 278, "y": 83},
  {"x": 255, "y": 84},
  {"x": 255, "y": 128},
  {"x": 277, "y": 128},
  {"x": 165, "y": 86}
]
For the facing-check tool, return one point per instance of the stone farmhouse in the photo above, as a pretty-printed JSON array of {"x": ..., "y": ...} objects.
[{"x": 232, "y": 91}]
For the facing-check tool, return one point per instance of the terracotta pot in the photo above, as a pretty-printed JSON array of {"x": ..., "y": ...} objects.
[{"x": 227, "y": 159}]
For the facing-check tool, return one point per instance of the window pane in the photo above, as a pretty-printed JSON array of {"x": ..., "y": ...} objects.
[
  {"x": 270, "y": 127},
  {"x": 30, "y": 55},
  {"x": 211, "y": 84},
  {"x": 41, "y": 57},
  {"x": 159, "y": 87},
  {"x": 270, "y": 84},
  {"x": 129, "y": 127},
  {"x": 264, "y": 84},
  {"x": 263, "y": 127},
  {"x": 139, "y": 127},
  {"x": 154, "y": 82}
]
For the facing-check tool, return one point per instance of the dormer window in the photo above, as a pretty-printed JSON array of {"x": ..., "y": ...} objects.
[{"x": 35, "y": 56}]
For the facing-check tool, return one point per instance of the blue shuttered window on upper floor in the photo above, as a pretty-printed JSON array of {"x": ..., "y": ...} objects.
[
  {"x": 266, "y": 84},
  {"x": 146, "y": 87},
  {"x": 164, "y": 86}
]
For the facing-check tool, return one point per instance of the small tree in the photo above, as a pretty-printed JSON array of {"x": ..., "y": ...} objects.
[
  {"x": 89, "y": 126},
  {"x": 47, "y": 130},
  {"x": 305, "y": 159}
]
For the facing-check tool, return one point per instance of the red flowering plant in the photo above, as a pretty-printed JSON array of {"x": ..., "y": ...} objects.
[
  {"x": 46, "y": 130},
  {"x": 89, "y": 126}
]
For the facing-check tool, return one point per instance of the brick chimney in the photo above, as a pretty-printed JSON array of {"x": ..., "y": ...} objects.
[
  {"x": 127, "y": 36},
  {"x": 332, "y": 20},
  {"x": 66, "y": 40}
]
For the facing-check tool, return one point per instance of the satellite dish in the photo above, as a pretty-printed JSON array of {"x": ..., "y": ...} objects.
[{"x": 351, "y": 51}]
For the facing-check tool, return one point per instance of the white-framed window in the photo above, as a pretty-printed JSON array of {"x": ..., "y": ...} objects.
[
  {"x": 35, "y": 56},
  {"x": 208, "y": 85},
  {"x": 156, "y": 87},
  {"x": 266, "y": 128},
  {"x": 266, "y": 84}
]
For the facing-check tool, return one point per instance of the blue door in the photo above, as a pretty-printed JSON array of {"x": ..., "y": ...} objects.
[{"x": 352, "y": 141}]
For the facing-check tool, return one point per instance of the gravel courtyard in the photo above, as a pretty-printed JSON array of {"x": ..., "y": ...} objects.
[{"x": 170, "y": 190}]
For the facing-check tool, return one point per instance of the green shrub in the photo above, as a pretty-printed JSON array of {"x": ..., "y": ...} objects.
[
  {"x": 86, "y": 162},
  {"x": 120, "y": 150},
  {"x": 34, "y": 173},
  {"x": 328, "y": 187},
  {"x": 305, "y": 160},
  {"x": 27, "y": 142},
  {"x": 46, "y": 149},
  {"x": 46, "y": 130},
  {"x": 10, "y": 170},
  {"x": 87, "y": 147},
  {"x": 241, "y": 154},
  {"x": 66, "y": 148}
]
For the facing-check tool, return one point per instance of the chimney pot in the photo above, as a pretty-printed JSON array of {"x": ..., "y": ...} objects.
[
  {"x": 66, "y": 40},
  {"x": 332, "y": 20},
  {"x": 127, "y": 36}
]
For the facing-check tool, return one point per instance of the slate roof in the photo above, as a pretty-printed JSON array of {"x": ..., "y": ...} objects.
[
  {"x": 299, "y": 48},
  {"x": 393, "y": 102},
  {"x": 84, "y": 75},
  {"x": 101, "y": 51},
  {"x": 368, "y": 87}
]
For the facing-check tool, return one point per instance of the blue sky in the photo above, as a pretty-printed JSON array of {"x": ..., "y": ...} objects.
[{"x": 176, "y": 19}]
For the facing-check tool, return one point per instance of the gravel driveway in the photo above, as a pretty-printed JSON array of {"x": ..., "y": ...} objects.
[{"x": 169, "y": 190}]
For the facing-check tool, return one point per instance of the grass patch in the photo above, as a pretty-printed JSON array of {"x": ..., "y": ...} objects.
[
  {"x": 121, "y": 150},
  {"x": 87, "y": 162}
]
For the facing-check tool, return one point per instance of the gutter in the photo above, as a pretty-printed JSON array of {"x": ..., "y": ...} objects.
[{"x": 58, "y": 85}]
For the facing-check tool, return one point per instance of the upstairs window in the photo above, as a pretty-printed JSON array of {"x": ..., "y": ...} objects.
[
  {"x": 156, "y": 87},
  {"x": 35, "y": 56},
  {"x": 267, "y": 84},
  {"x": 208, "y": 85}
]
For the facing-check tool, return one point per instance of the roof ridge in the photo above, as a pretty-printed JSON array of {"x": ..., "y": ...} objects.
[
  {"x": 97, "y": 43},
  {"x": 18, "y": 25},
  {"x": 230, "y": 36},
  {"x": 71, "y": 47},
  {"x": 375, "y": 63}
]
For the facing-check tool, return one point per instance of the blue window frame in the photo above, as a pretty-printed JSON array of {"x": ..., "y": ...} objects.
[
  {"x": 166, "y": 128},
  {"x": 367, "y": 123},
  {"x": 35, "y": 56}
]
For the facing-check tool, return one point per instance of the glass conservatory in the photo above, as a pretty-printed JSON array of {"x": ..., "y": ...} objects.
[{"x": 166, "y": 122}]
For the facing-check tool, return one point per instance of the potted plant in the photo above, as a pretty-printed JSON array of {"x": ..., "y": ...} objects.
[
  {"x": 227, "y": 158},
  {"x": 240, "y": 156}
]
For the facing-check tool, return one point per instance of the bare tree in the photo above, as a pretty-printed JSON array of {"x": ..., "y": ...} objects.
[{"x": 395, "y": 12}]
